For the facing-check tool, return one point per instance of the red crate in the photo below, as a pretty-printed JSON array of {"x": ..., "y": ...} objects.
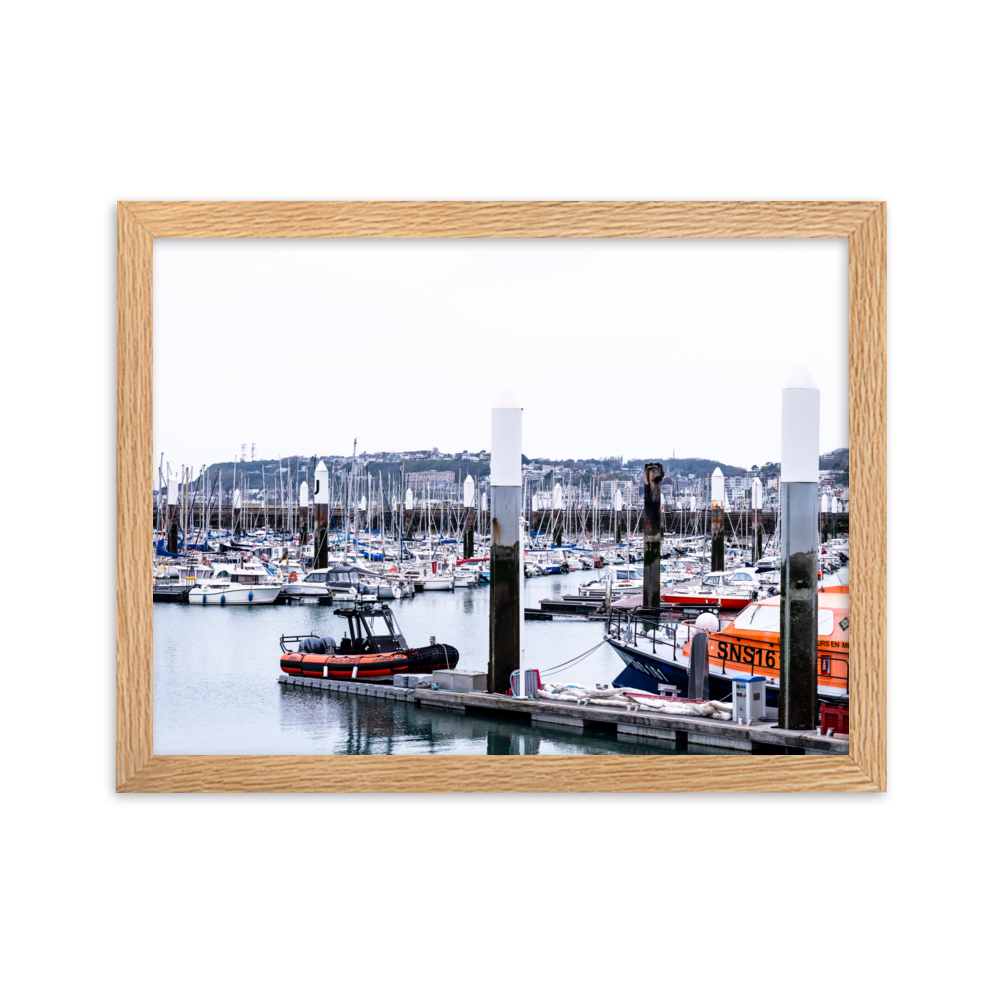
[{"x": 834, "y": 717}]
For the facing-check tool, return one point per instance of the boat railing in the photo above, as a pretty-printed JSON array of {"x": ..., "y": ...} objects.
[{"x": 295, "y": 639}]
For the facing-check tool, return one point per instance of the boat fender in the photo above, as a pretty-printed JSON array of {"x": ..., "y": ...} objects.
[{"x": 707, "y": 621}]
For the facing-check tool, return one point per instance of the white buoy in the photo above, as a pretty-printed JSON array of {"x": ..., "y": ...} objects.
[
  {"x": 718, "y": 488},
  {"x": 707, "y": 621}
]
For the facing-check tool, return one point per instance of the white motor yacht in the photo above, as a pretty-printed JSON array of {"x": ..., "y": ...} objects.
[
  {"x": 236, "y": 584},
  {"x": 624, "y": 583}
]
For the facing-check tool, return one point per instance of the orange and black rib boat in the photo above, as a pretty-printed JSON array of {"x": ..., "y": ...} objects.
[{"x": 372, "y": 649}]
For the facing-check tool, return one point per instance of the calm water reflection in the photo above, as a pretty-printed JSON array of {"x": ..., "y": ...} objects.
[{"x": 216, "y": 690}]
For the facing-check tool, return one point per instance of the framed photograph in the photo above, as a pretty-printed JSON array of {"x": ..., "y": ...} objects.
[{"x": 862, "y": 224}]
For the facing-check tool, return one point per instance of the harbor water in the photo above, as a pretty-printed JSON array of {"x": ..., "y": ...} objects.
[{"x": 216, "y": 687}]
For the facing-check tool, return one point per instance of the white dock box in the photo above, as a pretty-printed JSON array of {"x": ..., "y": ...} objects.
[{"x": 748, "y": 699}]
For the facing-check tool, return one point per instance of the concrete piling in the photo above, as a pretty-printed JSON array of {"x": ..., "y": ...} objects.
[
  {"x": 652, "y": 535},
  {"x": 798, "y": 700}
]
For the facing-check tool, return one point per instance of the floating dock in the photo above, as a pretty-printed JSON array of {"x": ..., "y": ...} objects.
[{"x": 597, "y": 720}]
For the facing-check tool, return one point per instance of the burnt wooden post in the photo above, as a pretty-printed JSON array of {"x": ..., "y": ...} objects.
[{"x": 652, "y": 535}]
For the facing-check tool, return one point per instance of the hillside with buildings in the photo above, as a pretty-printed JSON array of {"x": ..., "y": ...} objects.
[{"x": 442, "y": 474}]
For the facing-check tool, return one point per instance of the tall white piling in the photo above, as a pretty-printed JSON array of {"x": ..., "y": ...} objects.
[
  {"x": 321, "y": 517},
  {"x": 506, "y": 569},
  {"x": 718, "y": 520},
  {"x": 172, "y": 484},
  {"x": 468, "y": 517},
  {"x": 756, "y": 502},
  {"x": 797, "y": 702},
  {"x": 237, "y": 512},
  {"x": 652, "y": 535},
  {"x": 557, "y": 509},
  {"x": 303, "y": 512}
]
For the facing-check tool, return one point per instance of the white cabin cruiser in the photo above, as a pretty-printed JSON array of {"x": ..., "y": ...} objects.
[
  {"x": 236, "y": 584},
  {"x": 624, "y": 583}
]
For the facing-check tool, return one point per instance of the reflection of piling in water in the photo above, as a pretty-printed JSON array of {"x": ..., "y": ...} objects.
[
  {"x": 651, "y": 535},
  {"x": 797, "y": 698}
]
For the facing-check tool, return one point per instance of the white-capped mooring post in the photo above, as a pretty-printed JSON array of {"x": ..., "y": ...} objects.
[
  {"x": 237, "y": 512},
  {"x": 171, "y": 513},
  {"x": 652, "y": 536},
  {"x": 506, "y": 569},
  {"x": 718, "y": 521},
  {"x": 321, "y": 516},
  {"x": 469, "y": 517},
  {"x": 756, "y": 497},
  {"x": 303, "y": 512},
  {"x": 522, "y": 544},
  {"x": 797, "y": 701}
]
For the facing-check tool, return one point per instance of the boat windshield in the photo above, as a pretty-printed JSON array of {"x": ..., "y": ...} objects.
[
  {"x": 767, "y": 618},
  {"x": 383, "y": 626}
]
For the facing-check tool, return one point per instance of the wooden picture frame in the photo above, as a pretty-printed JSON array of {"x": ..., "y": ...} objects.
[{"x": 863, "y": 224}]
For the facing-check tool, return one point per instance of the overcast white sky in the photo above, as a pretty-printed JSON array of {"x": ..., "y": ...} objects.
[{"x": 632, "y": 347}]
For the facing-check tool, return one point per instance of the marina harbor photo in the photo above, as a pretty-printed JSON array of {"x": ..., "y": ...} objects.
[{"x": 422, "y": 601}]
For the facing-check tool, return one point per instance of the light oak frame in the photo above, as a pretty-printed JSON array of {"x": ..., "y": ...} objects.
[{"x": 863, "y": 224}]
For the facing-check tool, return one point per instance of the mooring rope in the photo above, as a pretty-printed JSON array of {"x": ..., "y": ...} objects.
[{"x": 573, "y": 662}]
